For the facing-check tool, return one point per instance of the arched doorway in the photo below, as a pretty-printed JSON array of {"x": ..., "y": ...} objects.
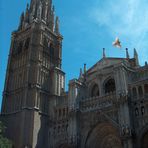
[
  {"x": 144, "y": 141},
  {"x": 103, "y": 135},
  {"x": 109, "y": 86}
]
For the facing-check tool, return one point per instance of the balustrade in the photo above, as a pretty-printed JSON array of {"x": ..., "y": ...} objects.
[{"x": 98, "y": 102}]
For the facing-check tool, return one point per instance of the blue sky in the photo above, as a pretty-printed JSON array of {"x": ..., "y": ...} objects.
[{"x": 87, "y": 27}]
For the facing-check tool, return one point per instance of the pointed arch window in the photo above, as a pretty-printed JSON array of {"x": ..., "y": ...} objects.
[
  {"x": 20, "y": 47},
  {"x": 134, "y": 92},
  {"x": 140, "y": 91},
  {"x": 27, "y": 42},
  {"x": 95, "y": 91},
  {"x": 110, "y": 86},
  {"x": 45, "y": 42},
  {"x": 51, "y": 50}
]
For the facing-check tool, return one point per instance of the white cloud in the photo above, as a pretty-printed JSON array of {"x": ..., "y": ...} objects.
[{"x": 126, "y": 19}]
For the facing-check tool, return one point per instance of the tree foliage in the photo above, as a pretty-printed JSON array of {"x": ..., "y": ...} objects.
[{"x": 4, "y": 142}]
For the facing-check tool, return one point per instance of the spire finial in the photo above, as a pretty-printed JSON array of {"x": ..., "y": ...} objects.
[
  {"x": 135, "y": 52},
  {"x": 53, "y": 8},
  {"x": 27, "y": 14},
  {"x": 81, "y": 73},
  {"x": 104, "y": 55},
  {"x": 57, "y": 25},
  {"x": 21, "y": 21},
  {"x": 84, "y": 68},
  {"x": 27, "y": 7},
  {"x": 136, "y": 57},
  {"x": 39, "y": 10},
  {"x": 127, "y": 54}
]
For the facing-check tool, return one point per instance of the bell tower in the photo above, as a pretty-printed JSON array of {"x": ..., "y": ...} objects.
[{"x": 33, "y": 77}]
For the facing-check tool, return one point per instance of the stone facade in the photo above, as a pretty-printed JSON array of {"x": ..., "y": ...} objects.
[{"x": 107, "y": 106}]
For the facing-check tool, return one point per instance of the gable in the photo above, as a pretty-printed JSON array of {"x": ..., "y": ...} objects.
[{"x": 104, "y": 63}]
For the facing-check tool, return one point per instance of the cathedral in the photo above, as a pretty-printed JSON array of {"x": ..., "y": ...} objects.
[{"x": 105, "y": 107}]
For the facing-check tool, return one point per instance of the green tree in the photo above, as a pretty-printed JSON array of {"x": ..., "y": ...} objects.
[{"x": 4, "y": 142}]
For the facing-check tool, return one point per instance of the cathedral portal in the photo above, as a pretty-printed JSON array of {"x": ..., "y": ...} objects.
[{"x": 103, "y": 136}]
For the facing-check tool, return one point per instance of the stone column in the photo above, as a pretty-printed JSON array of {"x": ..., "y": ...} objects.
[
  {"x": 122, "y": 99},
  {"x": 73, "y": 112},
  {"x": 100, "y": 83}
]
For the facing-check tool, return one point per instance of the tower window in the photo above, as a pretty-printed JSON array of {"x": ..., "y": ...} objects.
[
  {"x": 45, "y": 42},
  {"x": 20, "y": 47},
  {"x": 51, "y": 50},
  {"x": 27, "y": 43}
]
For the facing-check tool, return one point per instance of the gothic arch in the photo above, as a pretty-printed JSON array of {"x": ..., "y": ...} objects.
[
  {"x": 95, "y": 90},
  {"x": 104, "y": 135},
  {"x": 144, "y": 140},
  {"x": 27, "y": 42},
  {"x": 140, "y": 91},
  {"x": 91, "y": 87},
  {"x": 51, "y": 49},
  {"x": 134, "y": 92},
  {"x": 143, "y": 143},
  {"x": 109, "y": 85}
]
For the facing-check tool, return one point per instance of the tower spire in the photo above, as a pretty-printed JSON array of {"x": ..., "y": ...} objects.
[
  {"x": 84, "y": 68},
  {"x": 52, "y": 18},
  {"x": 21, "y": 21},
  {"x": 127, "y": 54},
  {"x": 27, "y": 14},
  {"x": 33, "y": 9},
  {"x": 39, "y": 10},
  {"x": 81, "y": 73},
  {"x": 46, "y": 11},
  {"x": 136, "y": 57},
  {"x": 135, "y": 53},
  {"x": 57, "y": 25},
  {"x": 104, "y": 55}
]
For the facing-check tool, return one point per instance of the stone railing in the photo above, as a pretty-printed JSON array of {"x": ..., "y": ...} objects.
[
  {"x": 99, "y": 102},
  {"x": 139, "y": 98}
]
